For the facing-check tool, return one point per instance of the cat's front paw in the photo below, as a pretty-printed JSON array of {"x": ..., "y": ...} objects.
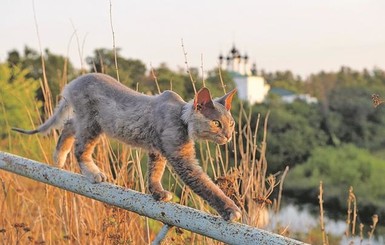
[
  {"x": 235, "y": 215},
  {"x": 164, "y": 196},
  {"x": 96, "y": 177},
  {"x": 92, "y": 172},
  {"x": 231, "y": 214},
  {"x": 100, "y": 177},
  {"x": 58, "y": 160}
]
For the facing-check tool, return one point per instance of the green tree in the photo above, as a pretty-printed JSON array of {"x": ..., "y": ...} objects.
[
  {"x": 213, "y": 82},
  {"x": 286, "y": 80},
  {"x": 293, "y": 131},
  {"x": 339, "y": 168},
  {"x": 131, "y": 71},
  {"x": 353, "y": 119},
  {"x": 17, "y": 99},
  {"x": 180, "y": 81},
  {"x": 58, "y": 69},
  {"x": 168, "y": 80}
]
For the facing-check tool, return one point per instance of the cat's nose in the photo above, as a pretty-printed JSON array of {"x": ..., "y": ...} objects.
[{"x": 228, "y": 136}]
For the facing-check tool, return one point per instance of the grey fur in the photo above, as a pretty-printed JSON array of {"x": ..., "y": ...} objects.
[
  {"x": 61, "y": 114},
  {"x": 165, "y": 125}
]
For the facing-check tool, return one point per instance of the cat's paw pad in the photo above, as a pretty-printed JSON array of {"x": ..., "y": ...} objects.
[{"x": 164, "y": 196}]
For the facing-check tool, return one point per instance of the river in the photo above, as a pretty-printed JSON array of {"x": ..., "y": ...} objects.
[{"x": 304, "y": 218}]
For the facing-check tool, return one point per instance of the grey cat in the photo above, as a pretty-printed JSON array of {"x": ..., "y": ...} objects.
[{"x": 165, "y": 125}]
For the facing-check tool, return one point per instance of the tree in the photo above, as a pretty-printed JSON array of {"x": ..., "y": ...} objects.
[
  {"x": 131, "y": 71},
  {"x": 353, "y": 119},
  {"x": 213, "y": 82},
  {"x": 168, "y": 80},
  {"x": 180, "y": 82},
  {"x": 293, "y": 132},
  {"x": 17, "y": 99},
  {"x": 339, "y": 168},
  {"x": 285, "y": 80},
  {"x": 58, "y": 69}
]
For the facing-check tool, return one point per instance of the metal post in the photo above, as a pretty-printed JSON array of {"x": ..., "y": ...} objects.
[
  {"x": 169, "y": 213},
  {"x": 161, "y": 235}
]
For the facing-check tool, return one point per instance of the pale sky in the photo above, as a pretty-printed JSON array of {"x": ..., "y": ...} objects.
[{"x": 304, "y": 36}]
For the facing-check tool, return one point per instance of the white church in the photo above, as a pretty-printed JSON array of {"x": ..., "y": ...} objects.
[{"x": 251, "y": 87}]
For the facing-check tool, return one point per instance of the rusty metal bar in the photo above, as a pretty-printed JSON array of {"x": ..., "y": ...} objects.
[{"x": 169, "y": 213}]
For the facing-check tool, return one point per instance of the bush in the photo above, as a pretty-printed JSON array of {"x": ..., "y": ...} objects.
[
  {"x": 339, "y": 168},
  {"x": 17, "y": 97}
]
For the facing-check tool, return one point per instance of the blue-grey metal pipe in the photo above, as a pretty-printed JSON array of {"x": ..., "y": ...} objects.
[{"x": 143, "y": 204}]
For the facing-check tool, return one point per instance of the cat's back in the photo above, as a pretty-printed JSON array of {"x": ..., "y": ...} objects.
[
  {"x": 167, "y": 108},
  {"x": 96, "y": 83},
  {"x": 170, "y": 97}
]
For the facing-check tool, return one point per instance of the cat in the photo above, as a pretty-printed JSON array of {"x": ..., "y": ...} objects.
[{"x": 164, "y": 125}]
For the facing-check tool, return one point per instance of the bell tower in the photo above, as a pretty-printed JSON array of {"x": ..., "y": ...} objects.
[{"x": 251, "y": 87}]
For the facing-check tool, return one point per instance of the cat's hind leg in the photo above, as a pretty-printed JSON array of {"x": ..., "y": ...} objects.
[
  {"x": 85, "y": 143},
  {"x": 64, "y": 144},
  {"x": 156, "y": 166}
]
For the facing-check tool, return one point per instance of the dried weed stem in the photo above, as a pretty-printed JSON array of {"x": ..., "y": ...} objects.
[
  {"x": 325, "y": 240},
  {"x": 188, "y": 67},
  {"x": 114, "y": 44}
]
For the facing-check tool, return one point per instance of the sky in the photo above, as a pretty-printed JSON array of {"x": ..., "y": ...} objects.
[{"x": 304, "y": 36}]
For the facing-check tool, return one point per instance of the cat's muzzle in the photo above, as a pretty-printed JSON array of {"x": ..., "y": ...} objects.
[{"x": 221, "y": 140}]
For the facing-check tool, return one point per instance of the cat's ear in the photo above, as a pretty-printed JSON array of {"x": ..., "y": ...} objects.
[
  {"x": 226, "y": 99},
  {"x": 203, "y": 100}
]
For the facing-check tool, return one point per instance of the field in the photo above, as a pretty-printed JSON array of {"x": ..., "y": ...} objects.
[{"x": 33, "y": 212}]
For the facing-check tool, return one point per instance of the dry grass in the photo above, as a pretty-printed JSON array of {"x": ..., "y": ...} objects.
[
  {"x": 33, "y": 212},
  {"x": 351, "y": 220},
  {"x": 325, "y": 240}
]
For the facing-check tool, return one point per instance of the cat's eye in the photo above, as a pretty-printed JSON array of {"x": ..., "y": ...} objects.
[{"x": 217, "y": 123}]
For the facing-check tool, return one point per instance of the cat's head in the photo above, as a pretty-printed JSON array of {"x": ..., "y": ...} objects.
[{"x": 210, "y": 119}]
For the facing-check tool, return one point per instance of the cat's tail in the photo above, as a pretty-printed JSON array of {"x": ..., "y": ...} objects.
[{"x": 62, "y": 113}]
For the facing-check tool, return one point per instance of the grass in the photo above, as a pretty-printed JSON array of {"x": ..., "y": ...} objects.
[
  {"x": 351, "y": 221},
  {"x": 33, "y": 212},
  {"x": 37, "y": 213}
]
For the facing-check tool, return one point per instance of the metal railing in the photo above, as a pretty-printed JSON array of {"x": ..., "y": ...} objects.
[{"x": 171, "y": 214}]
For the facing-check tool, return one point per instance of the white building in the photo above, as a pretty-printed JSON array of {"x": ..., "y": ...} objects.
[
  {"x": 289, "y": 96},
  {"x": 251, "y": 87}
]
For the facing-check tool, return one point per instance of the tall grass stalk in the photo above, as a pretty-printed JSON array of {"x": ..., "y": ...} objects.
[
  {"x": 114, "y": 44},
  {"x": 351, "y": 222},
  {"x": 325, "y": 240},
  {"x": 48, "y": 108}
]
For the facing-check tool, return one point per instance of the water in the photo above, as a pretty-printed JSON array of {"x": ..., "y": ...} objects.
[{"x": 304, "y": 218}]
